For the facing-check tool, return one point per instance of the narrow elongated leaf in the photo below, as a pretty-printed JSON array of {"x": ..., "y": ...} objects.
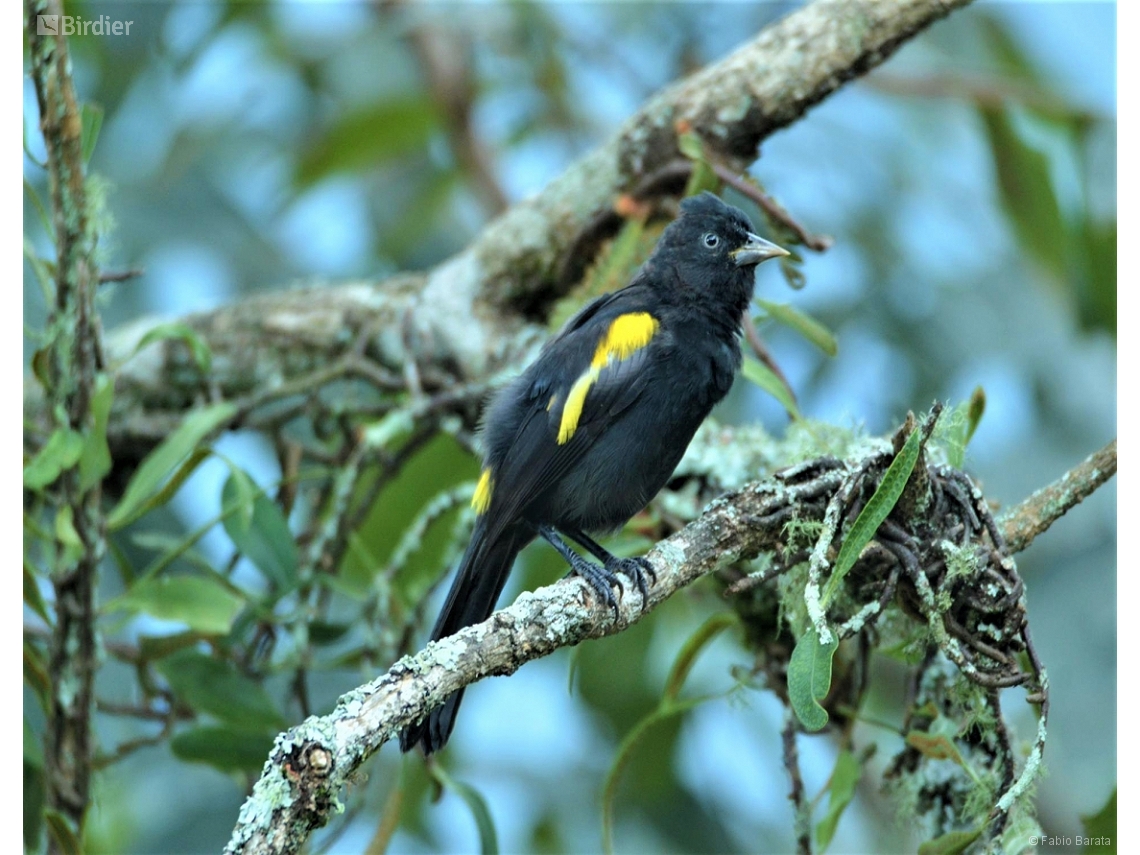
[
  {"x": 199, "y": 350},
  {"x": 877, "y": 509},
  {"x": 59, "y": 453},
  {"x": 259, "y": 530},
  {"x": 804, "y": 324},
  {"x": 809, "y": 678},
  {"x": 1027, "y": 194},
  {"x": 371, "y": 136},
  {"x": 32, "y": 597},
  {"x": 840, "y": 792},
  {"x": 488, "y": 839},
  {"x": 202, "y": 603},
  {"x": 757, "y": 372},
  {"x": 62, "y": 833},
  {"x": 216, "y": 687},
  {"x": 666, "y": 710},
  {"x": 692, "y": 648},
  {"x": 161, "y": 464},
  {"x": 95, "y": 461},
  {"x": 91, "y": 120},
  {"x": 225, "y": 747},
  {"x": 936, "y": 746}
]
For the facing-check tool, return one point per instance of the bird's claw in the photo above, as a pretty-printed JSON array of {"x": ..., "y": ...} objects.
[
  {"x": 601, "y": 579},
  {"x": 636, "y": 569}
]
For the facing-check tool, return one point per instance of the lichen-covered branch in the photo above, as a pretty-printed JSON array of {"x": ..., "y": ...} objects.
[
  {"x": 309, "y": 764},
  {"x": 69, "y": 373},
  {"x": 1021, "y": 524},
  {"x": 476, "y": 312},
  {"x": 297, "y": 793}
]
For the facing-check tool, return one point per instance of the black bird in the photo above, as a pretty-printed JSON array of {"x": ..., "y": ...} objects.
[{"x": 587, "y": 435}]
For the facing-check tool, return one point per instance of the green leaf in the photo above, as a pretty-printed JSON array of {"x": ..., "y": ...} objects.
[
  {"x": 488, "y": 839},
  {"x": 809, "y": 678},
  {"x": 1096, "y": 296},
  {"x": 939, "y": 746},
  {"x": 202, "y": 603},
  {"x": 32, "y": 596},
  {"x": 961, "y": 426},
  {"x": 703, "y": 177},
  {"x": 877, "y": 509},
  {"x": 35, "y": 671},
  {"x": 975, "y": 409},
  {"x": 370, "y": 136},
  {"x": 62, "y": 833},
  {"x": 804, "y": 324},
  {"x": 757, "y": 372},
  {"x": 666, "y": 710},
  {"x": 162, "y": 462},
  {"x": 33, "y": 748},
  {"x": 199, "y": 350},
  {"x": 690, "y": 145},
  {"x": 71, "y": 545},
  {"x": 1100, "y": 828},
  {"x": 228, "y": 748},
  {"x": 950, "y": 843},
  {"x": 95, "y": 462},
  {"x": 59, "y": 453},
  {"x": 323, "y": 632},
  {"x": 158, "y": 646},
  {"x": 692, "y": 647},
  {"x": 44, "y": 275},
  {"x": 259, "y": 530},
  {"x": 844, "y": 779},
  {"x": 91, "y": 119},
  {"x": 33, "y": 788},
  {"x": 1027, "y": 193},
  {"x": 215, "y": 686}
]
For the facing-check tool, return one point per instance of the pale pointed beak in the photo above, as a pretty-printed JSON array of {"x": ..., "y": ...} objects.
[{"x": 756, "y": 250}]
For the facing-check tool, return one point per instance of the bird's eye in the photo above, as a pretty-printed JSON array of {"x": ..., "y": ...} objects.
[{"x": 711, "y": 240}]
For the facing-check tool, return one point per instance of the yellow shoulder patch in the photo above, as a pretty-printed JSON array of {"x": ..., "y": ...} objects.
[
  {"x": 626, "y": 335},
  {"x": 482, "y": 498}
]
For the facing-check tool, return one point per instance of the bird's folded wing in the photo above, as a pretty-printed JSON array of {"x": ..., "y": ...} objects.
[{"x": 567, "y": 416}]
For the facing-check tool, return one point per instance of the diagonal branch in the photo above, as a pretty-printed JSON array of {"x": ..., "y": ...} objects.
[
  {"x": 482, "y": 309},
  {"x": 1021, "y": 524},
  {"x": 315, "y": 759}
]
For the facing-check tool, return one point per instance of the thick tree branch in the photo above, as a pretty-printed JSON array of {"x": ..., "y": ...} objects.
[
  {"x": 293, "y": 797},
  {"x": 475, "y": 312},
  {"x": 297, "y": 793}
]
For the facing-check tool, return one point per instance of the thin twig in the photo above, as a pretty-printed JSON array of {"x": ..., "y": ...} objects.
[
  {"x": 750, "y": 189},
  {"x": 1024, "y": 522}
]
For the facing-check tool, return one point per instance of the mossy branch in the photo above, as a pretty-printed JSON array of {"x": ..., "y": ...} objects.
[{"x": 295, "y": 795}]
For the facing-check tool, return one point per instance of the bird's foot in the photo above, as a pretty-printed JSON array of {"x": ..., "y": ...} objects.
[
  {"x": 601, "y": 579},
  {"x": 635, "y": 569}
]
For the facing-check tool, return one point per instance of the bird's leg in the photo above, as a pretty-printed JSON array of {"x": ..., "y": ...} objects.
[
  {"x": 634, "y": 568},
  {"x": 601, "y": 579}
]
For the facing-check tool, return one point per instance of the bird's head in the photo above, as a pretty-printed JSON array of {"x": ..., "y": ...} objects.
[{"x": 713, "y": 247}]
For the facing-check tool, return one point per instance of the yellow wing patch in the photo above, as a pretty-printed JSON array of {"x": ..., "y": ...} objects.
[
  {"x": 482, "y": 498},
  {"x": 626, "y": 335}
]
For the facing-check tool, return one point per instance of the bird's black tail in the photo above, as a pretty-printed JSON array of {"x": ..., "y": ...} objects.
[{"x": 478, "y": 583}]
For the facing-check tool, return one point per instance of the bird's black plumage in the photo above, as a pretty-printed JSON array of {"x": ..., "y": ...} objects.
[{"x": 587, "y": 435}]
